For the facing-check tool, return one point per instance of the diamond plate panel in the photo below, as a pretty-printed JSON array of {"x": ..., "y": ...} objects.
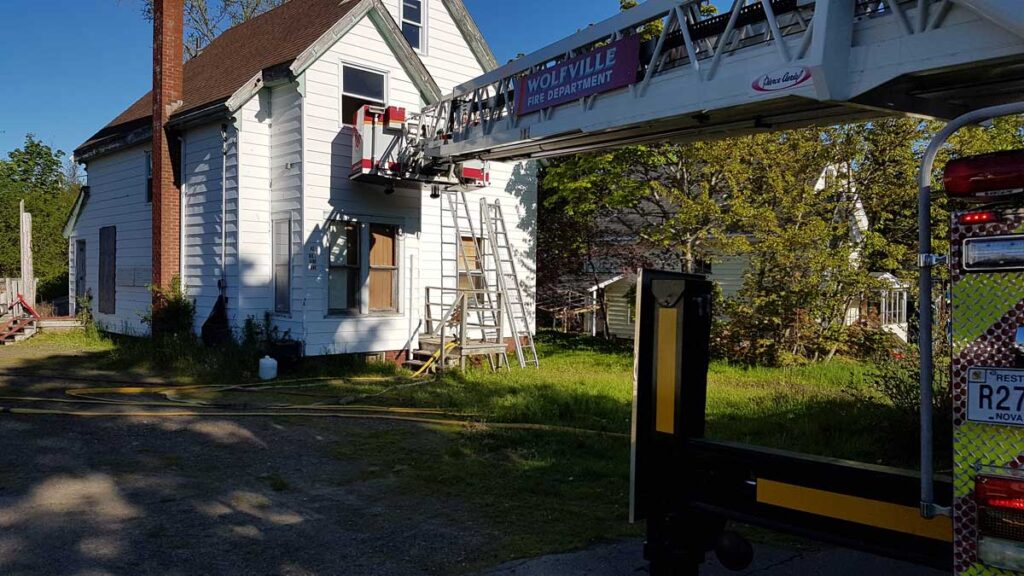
[{"x": 987, "y": 308}]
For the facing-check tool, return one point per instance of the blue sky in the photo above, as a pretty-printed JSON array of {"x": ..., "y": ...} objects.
[{"x": 70, "y": 66}]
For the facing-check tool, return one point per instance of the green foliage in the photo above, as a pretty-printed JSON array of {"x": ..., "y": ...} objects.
[
  {"x": 35, "y": 165},
  {"x": 34, "y": 173},
  {"x": 684, "y": 205},
  {"x": 173, "y": 314},
  {"x": 84, "y": 315},
  {"x": 672, "y": 199},
  {"x": 896, "y": 377}
]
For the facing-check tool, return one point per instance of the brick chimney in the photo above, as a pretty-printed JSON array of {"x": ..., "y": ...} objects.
[{"x": 168, "y": 56}]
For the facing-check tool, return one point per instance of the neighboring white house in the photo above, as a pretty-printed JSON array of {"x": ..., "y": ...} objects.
[
  {"x": 620, "y": 296},
  {"x": 267, "y": 206}
]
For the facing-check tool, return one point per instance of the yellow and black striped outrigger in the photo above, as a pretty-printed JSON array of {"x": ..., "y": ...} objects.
[{"x": 687, "y": 487}]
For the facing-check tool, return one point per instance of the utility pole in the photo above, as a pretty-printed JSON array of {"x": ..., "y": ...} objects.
[{"x": 28, "y": 283}]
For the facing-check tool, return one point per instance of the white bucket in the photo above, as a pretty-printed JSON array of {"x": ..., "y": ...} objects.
[{"x": 268, "y": 368}]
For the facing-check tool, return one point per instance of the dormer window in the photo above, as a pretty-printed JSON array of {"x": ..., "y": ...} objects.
[{"x": 413, "y": 23}]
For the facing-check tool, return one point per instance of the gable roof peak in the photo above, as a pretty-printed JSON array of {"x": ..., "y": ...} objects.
[{"x": 281, "y": 38}]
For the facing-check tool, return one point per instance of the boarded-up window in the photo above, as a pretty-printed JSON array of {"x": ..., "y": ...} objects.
[
  {"x": 108, "y": 270},
  {"x": 344, "y": 267},
  {"x": 282, "y": 259},
  {"x": 383, "y": 268}
]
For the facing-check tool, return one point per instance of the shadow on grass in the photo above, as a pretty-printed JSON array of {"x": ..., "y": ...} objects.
[
  {"x": 850, "y": 427},
  {"x": 185, "y": 361}
]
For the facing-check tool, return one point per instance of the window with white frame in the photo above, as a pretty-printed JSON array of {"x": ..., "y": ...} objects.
[
  {"x": 359, "y": 87},
  {"x": 414, "y": 22},
  {"x": 363, "y": 264},
  {"x": 344, "y": 267},
  {"x": 282, "y": 262}
]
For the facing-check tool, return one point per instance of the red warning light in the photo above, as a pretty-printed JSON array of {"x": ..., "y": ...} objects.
[
  {"x": 977, "y": 218},
  {"x": 986, "y": 177}
]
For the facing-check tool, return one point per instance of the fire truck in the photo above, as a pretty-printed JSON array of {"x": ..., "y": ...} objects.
[{"x": 668, "y": 71}]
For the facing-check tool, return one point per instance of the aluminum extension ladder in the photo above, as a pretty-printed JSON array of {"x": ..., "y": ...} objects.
[
  {"x": 484, "y": 304},
  {"x": 503, "y": 268}
]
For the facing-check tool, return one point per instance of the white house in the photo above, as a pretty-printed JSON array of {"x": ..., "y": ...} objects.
[
  {"x": 620, "y": 296},
  {"x": 264, "y": 210}
]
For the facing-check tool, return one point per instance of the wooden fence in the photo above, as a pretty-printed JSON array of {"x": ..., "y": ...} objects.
[{"x": 11, "y": 287}]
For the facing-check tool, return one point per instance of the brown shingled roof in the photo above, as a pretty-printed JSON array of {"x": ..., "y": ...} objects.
[{"x": 236, "y": 56}]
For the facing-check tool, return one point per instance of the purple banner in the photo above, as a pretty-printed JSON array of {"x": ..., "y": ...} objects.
[{"x": 606, "y": 68}]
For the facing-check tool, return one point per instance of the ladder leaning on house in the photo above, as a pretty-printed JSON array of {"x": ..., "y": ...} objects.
[
  {"x": 480, "y": 288},
  {"x": 481, "y": 307},
  {"x": 499, "y": 254}
]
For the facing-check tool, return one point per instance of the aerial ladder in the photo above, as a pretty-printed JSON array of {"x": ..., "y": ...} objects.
[{"x": 667, "y": 71}]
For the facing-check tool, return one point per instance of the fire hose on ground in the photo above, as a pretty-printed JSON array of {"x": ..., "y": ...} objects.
[{"x": 173, "y": 407}]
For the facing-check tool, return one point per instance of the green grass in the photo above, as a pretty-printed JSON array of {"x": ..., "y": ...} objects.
[
  {"x": 182, "y": 361},
  {"x": 542, "y": 491}
]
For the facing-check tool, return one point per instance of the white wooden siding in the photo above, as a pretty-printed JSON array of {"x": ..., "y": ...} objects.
[
  {"x": 729, "y": 273},
  {"x": 515, "y": 186},
  {"x": 289, "y": 157},
  {"x": 621, "y": 321},
  {"x": 255, "y": 274},
  {"x": 329, "y": 195},
  {"x": 286, "y": 176},
  {"x": 117, "y": 198},
  {"x": 202, "y": 219},
  {"x": 447, "y": 57}
]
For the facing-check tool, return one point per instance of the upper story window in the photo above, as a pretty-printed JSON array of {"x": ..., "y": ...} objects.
[
  {"x": 413, "y": 22},
  {"x": 360, "y": 87}
]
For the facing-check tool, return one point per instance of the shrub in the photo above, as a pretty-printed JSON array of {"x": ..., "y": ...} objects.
[
  {"x": 896, "y": 378},
  {"x": 865, "y": 343},
  {"x": 83, "y": 313},
  {"x": 174, "y": 315}
]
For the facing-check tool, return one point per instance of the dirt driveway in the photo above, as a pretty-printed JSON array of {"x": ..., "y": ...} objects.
[
  {"x": 210, "y": 496},
  {"x": 214, "y": 495}
]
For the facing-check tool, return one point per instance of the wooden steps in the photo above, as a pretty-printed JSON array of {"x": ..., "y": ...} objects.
[
  {"x": 22, "y": 322},
  {"x": 17, "y": 329}
]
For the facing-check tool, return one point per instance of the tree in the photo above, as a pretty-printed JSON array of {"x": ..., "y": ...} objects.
[
  {"x": 35, "y": 165},
  {"x": 34, "y": 173},
  {"x": 207, "y": 19},
  {"x": 672, "y": 202}
]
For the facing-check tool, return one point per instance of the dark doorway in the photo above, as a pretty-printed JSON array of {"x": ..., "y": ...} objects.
[
  {"x": 80, "y": 269},
  {"x": 108, "y": 270}
]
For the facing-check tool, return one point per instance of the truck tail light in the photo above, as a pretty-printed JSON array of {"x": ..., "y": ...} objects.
[
  {"x": 1000, "y": 500},
  {"x": 986, "y": 177},
  {"x": 978, "y": 217}
]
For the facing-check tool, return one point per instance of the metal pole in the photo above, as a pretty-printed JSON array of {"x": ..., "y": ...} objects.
[{"x": 926, "y": 261}]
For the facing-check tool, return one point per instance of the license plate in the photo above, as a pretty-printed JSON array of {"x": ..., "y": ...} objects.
[{"x": 995, "y": 396}]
